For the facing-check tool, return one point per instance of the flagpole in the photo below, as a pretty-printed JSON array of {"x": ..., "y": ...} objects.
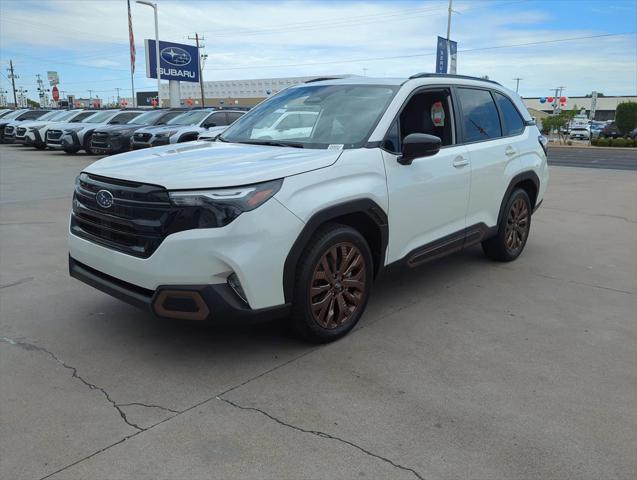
[{"x": 133, "y": 54}]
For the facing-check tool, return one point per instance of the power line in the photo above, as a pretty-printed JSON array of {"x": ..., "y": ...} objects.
[{"x": 415, "y": 55}]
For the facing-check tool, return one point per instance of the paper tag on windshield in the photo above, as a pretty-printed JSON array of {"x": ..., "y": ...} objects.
[{"x": 335, "y": 146}]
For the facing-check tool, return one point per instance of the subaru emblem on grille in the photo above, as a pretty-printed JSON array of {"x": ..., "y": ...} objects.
[{"x": 104, "y": 198}]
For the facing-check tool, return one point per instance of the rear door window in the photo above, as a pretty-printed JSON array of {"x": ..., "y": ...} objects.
[
  {"x": 513, "y": 122},
  {"x": 216, "y": 120},
  {"x": 480, "y": 118},
  {"x": 232, "y": 116}
]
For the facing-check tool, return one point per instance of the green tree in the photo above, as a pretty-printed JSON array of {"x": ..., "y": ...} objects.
[
  {"x": 32, "y": 103},
  {"x": 626, "y": 117}
]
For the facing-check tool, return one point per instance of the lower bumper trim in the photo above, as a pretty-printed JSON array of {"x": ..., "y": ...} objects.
[{"x": 215, "y": 303}]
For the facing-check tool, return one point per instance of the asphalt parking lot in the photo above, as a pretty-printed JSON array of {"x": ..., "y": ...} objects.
[{"x": 461, "y": 369}]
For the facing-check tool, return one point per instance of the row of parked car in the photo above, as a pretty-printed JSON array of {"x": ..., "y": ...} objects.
[{"x": 111, "y": 131}]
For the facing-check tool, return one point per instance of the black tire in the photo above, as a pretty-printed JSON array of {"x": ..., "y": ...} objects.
[
  {"x": 72, "y": 150},
  {"x": 341, "y": 300},
  {"x": 513, "y": 230},
  {"x": 87, "y": 144},
  {"x": 39, "y": 146}
]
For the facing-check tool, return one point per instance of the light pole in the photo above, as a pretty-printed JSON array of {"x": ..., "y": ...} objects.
[{"x": 154, "y": 7}]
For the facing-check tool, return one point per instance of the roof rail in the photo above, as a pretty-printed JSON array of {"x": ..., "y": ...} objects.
[
  {"x": 320, "y": 79},
  {"x": 450, "y": 75}
]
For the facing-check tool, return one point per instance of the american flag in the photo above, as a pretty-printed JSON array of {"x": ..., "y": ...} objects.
[{"x": 131, "y": 39}]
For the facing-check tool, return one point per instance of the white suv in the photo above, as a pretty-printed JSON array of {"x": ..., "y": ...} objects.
[{"x": 391, "y": 171}]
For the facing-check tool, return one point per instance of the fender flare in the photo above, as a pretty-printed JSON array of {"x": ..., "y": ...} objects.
[
  {"x": 520, "y": 177},
  {"x": 365, "y": 206}
]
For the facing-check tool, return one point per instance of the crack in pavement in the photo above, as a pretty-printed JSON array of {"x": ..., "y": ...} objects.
[
  {"x": 198, "y": 404},
  {"x": 32, "y": 347},
  {"x": 328, "y": 436},
  {"x": 17, "y": 282},
  {"x": 148, "y": 405}
]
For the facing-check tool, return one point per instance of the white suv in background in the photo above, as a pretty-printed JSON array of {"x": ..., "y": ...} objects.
[
  {"x": 73, "y": 137},
  {"x": 34, "y": 132},
  {"x": 185, "y": 127},
  {"x": 391, "y": 171}
]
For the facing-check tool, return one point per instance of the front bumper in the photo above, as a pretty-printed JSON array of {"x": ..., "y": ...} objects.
[
  {"x": 213, "y": 303},
  {"x": 254, "y": 247},
  {"x": 33, "y": 137},
  {"x": 111, "y": 145},
  {"x": 70, "y": 140}
]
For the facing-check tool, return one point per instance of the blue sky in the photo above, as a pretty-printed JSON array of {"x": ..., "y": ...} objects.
[{"x": 87, "y": 41}]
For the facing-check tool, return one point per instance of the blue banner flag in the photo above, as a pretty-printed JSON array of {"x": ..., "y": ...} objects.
[{"x": 446, "y": 55}]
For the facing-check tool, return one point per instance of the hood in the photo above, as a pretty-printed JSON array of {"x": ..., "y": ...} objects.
[
  {"x": 77, "y": 125},
  {"x": 119, "y": 128},
  {"x": 169, "y": 128},
  {"x": 202, "y": 164}
]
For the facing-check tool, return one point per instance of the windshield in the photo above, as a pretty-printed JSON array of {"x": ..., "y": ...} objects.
[
  {"x": 51, "y": 115},
  {"x": 64, "y": 115},
  {"x": 99, "y": 117},
  {"x": 14, "y": 114},
  {"x": 315, "y": 116},
  {"x": 189, "y": 118},
  {"x": 147, "y": 118}
]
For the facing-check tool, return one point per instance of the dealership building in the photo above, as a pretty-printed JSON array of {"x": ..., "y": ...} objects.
[{"x": 228, "y": 93}]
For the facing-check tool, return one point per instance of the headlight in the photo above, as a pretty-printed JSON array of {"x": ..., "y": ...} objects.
[
  {"x": 35, "y": 127},
  {"x": 219, "y": 207},
  {"x": 167, "y": 134},
  {"x": 72, "y": 129}
]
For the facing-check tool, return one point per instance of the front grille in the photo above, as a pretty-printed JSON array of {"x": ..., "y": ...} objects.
[
  {"x": 21, "y": 131},
  {"x": 139, "y": 219},
  {"x": 100, "y": 139},
  {"x": 8, "y": 129},
  {"x": 54, "y": 136},
  {"x": 142, "y": 137}
]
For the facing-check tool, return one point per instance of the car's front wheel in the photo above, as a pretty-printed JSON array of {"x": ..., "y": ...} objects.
[
  {"x": 513, "y": 231},
  {"x": 333, "y": 283}
]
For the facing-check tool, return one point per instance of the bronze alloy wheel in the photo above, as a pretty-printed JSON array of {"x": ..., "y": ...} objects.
[
  {"x": 338, "y": 285},
  {"x": 517, "y": 228}
]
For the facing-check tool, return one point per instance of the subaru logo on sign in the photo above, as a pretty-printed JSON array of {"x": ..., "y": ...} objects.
[
  {"x": 175, "y": 56},
  {"x": 104, "y": 198}
]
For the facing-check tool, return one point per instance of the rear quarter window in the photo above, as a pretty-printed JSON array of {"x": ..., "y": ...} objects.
[{"x": 513, "y": 122}]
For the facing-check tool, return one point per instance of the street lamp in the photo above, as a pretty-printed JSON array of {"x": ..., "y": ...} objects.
[{"x": 154, "y": 7}]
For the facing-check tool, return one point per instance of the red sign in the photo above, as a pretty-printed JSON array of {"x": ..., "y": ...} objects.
[{"x": 56, "y": 93}]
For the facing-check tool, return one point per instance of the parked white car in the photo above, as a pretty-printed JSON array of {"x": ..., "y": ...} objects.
[
  {"x": 33, "y": 132},
  {"x": 184, "y": 128},
  {"x": 580, "y": 133},
  {"x": 393, "y": 171},
  {"x": 73, "y": 137}
]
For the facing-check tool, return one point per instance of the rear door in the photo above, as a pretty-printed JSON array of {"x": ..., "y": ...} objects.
[
  {"x": 491, "y": 154},
  {"x": 217, "y": 119}
]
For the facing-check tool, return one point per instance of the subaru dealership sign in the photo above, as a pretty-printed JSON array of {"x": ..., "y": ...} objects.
[{"x": 177, "y": 61}]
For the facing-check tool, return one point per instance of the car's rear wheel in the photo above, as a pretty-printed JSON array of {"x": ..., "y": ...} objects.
[
  {"x": 333, "y": 284},
  {"x": 513, "y": 231}
]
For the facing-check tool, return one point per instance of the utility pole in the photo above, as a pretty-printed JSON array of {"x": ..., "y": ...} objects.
[
  {"x": 449, "y": 22},
  {"x": 117, "y": 88},
  {"x": 12, "y": 77},
  {"x": 196, "y": 39},
  {"x": 517, "y": 84},
  {"x": 90, "y": 98}
]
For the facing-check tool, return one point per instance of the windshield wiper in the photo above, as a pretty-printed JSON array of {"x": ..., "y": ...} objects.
[{"x": 273, "y": 143}]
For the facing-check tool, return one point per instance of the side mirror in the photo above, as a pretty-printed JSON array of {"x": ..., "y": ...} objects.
[
  {"x": 416, "y": 145},
  {"x": 208, "y": 125}
]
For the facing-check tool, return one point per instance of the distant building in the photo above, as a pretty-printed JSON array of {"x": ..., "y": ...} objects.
[
  {"x": 228, "y": 93},
  {"x": 605, "y": 109}
]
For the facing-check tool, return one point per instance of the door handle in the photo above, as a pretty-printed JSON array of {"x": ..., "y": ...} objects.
[
  {"x": 460, "y": 162},
  {"x": 510, "y": 151}
]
